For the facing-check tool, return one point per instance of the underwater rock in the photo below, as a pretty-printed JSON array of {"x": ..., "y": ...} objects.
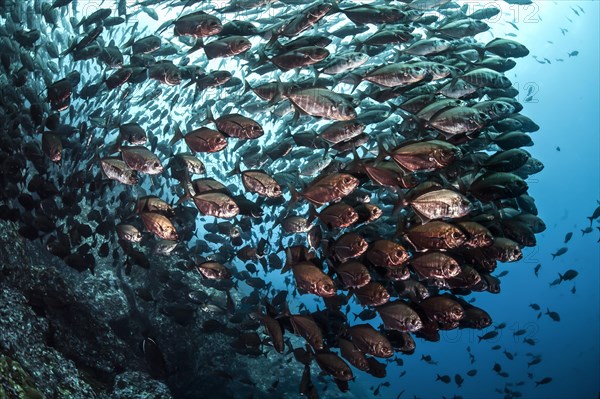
[{"x": 80, "y": 335}]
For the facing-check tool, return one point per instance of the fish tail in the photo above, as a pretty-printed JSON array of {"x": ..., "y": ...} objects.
[
  {"x": 382, "y": 152},
  {"x": 236, "y": 170},
  {"x": 184, "y": 197},
  {"x": 262, "y": 59},
  {"x": 177, "y": 136},
  {"x": 272, "y": 38},
  {"x": 247, "y": 87},
  {"x": 209, "y": 116}
]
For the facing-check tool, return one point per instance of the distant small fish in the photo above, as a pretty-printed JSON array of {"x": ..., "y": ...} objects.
[
  {"x": 555, "y": 282},
  {"x": 574, "y": 53},
  {"x": 534, "y": 361},
  {"x": 595, "y": 215},
  {"x": 458, "y": 379},
  {"x": 568, "y": 237},
  {"x": 561, "y": 251},
  {"x": 543, "y": 381},
  {"x": 568, "y": 275},
  {"x": 488, "y": 335},
  {"x": 553, "y": 315}
]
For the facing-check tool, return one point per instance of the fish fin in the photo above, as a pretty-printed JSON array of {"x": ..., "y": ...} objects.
[
  {"x": 295, "y": 196},
  {"x": 164, "y": 26},
  {"x": 184, "y": 197},
  {"x": 197, "y": 46},
  {"x": 192, "y": 81},
  {"x": 247, "y": 87},
  {"x": 262, "y": 59},
  {"x": 288, "y": 261},
  {"x": 382, "y": 152},
  {"x": 424, "y": 219},
  {"x": 115, "y": 147},
  {"x": 236, "y": 169},
  {"x": 316, "y": 73},
  {"x": 177, "y": 136},
  {"x": 355, "y": 80},
  {"x": 272, "y": 39},
  {"x": 313, "y": 214},
  {"x": 209, "y": 117}
]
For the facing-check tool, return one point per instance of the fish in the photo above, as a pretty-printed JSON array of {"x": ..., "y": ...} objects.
[
  {"x": 487, "y": 336},
  {"x": 329, "y": 188},
  {"x": 159, "y": 225},
  {"x": 372, "y": 294},
  {"x": 553, "y": 315},
  {"x": 543, "y": 381},
  {"x": 305, "y": 326},
  {"x": 311, "y": 279},
  {"x": 568, "y": 275},
  {"x": 559, "y": 252},
  {"x": 397, "y": 315},
  {"x": 213, "y": 270}
]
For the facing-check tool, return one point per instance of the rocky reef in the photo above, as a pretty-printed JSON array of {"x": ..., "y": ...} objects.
[{"x": 70, "y": 334}]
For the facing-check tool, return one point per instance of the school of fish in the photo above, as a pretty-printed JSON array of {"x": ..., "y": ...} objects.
[{"x": 368, "y": 155}]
